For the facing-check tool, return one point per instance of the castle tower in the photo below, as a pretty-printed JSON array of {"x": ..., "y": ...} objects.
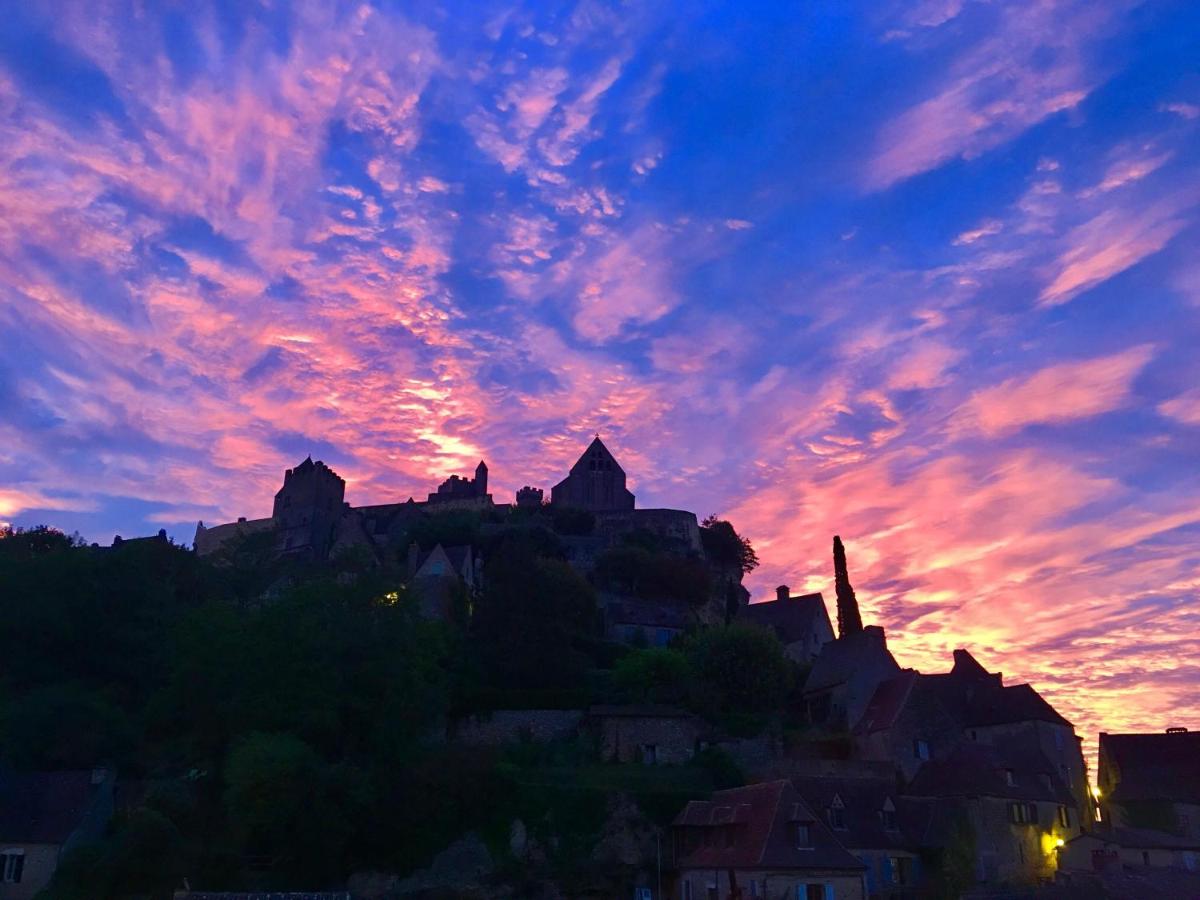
[
  {"x": 307, "y": 509},
  {"x": 481, "y": 471},
  {"x": 596, "y": 482},
  {"x": 849, "y": 620}
]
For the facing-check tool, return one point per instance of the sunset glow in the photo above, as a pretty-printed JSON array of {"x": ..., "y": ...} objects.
[{"x": 924, "y": 275}]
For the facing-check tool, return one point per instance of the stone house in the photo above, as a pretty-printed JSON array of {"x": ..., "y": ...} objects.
[
  {"x": 43, "y": 816},
  {"x": 1017, "y": 807},
  {"x": 1107, "y": 848},
  {"x": 649, "y": 623},
  {"x": 871, "y": 819},
  {"x": 649, "y": 734},
  {"x": 845, "y": 675},
  {"x": 441, "y": 575},
  {"x": 1151, "y": 781},
  {"x": 760, "y": 841},
  {"x": 801, "y": 623},
  {"x": 906, "y": 724}
]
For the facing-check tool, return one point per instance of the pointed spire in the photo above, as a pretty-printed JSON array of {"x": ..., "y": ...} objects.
[{"x": 849, "y": 620}]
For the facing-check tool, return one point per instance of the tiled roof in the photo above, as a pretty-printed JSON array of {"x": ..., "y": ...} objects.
[
  {"x": 979, "y": 770},
  {"x": 793, "y": 619},
  {"x": 43, "y": 807},
  {"x": 887, "y": 702},
  {"x": 1154, "y": 766},
  {"x": 759, "y": 819},
  {"x": 980, "y": 698},
  {"x": 863, "y": 801}
]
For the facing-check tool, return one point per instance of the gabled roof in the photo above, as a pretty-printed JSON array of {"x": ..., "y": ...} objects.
[
  {"x": 863, "y": 801},
  {"x": 980, "y": 698},
  {"x": 762, "y": 818},
  {"x": 887, "y": 702},
  {"x": 793, "y": 619},
  {"x": 43, "y": 807},
  {"x": 979, "y": 770},
  {"x": 1153, "y": 766}
]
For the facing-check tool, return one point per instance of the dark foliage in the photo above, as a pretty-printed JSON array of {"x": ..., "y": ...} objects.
[{"x": 725, "y": 547}]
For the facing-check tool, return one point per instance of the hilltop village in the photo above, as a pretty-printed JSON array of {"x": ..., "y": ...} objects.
[{"x": 563, "y": 697}]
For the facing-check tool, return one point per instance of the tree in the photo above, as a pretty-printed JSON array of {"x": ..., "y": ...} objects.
[
  {"x": 725, "y": 547},
  {"x": 742, "y": 675},
  {"x": 657, "y": 674},
  {"x": 531, "y": 620}
]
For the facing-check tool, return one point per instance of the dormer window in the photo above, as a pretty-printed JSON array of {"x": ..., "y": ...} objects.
[
  {"x": 837, "y": 813},
  {"x": 1046, "y": 782},
  {"x": 888, "y": 815},
  {"x": 921, "y": 749},
  {"x": 1009, "y": 778},
  {"x": 803, "y": 836}
]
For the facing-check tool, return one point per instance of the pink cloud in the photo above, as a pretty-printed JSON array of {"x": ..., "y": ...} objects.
[
  {"x": 1109, "y": 244},
  {"x": 1060, "y": 393},
  {"x": 995, "y": 90}
]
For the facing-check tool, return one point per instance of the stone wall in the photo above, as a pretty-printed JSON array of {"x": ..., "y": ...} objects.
[{"x": 505, "y": 726}]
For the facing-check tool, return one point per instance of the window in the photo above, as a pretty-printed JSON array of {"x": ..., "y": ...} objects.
[
  {"x": 837, "y": 813},
  {"x": 1064, "y": 817},
  {"x": 687, "y": 890},
  {"x": 1145, "y": 857},
  {"x": 889, "y": 819},
  {"x": 649, "y": 754},
  {"x": 12, "y": 863},
  {"x": 754, "y": 889},
  {"x": 1058, "y": 741},
  {"x": 921, "y": 749},
  {"x": 1017, "y": 813},
  {"x": 712, "y": 893},
  {"x": 1046, "y": 782},
  {"x": 814, "y": 891},
  {"x": 1031, "y": 815},
  {"x": 1009, "y": 778},
  {"x": 901, "y": 870},
  {"x": 803, "y": 838}
]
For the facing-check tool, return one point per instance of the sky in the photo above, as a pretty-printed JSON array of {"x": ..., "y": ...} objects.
[{"x": 921, "y": 274}]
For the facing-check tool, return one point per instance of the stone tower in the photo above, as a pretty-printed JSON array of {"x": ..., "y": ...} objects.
[
  {"x": 307, "y": 509},
  {"x": 596, "y": 482},
  {"x": 848, "y": 618},
  {"x": 481, "y": 479}
]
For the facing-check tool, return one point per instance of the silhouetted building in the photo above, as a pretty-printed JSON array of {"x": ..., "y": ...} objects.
[
  {"x": 529, "y": 497},
  {"x": 458, "y": 488},
  {"x": 596, "y": 482},
  {"x": 801, "y": 623},
  {"x": 845, "y": 675},
  {"x": 307, "y": 508}
]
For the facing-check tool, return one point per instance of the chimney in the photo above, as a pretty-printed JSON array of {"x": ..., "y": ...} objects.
[
  {"x": 782, "y": 592},
  {"x": 241, "y": 519}
]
